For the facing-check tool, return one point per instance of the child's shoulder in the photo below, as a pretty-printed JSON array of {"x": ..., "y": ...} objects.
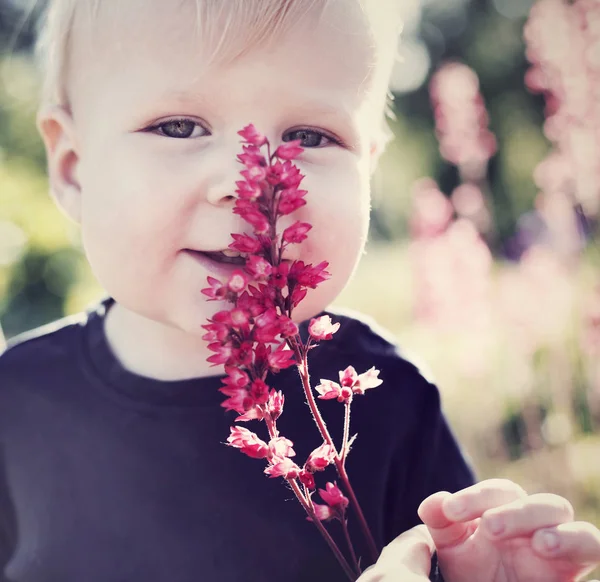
[
  {"x": 54, "y": 342},
  {"x": 362, "y": 336},
  {"x": 363, "y": 343}
]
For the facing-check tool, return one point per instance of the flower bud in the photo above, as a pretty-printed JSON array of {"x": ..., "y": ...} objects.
[{"x": 321, "y": 328}]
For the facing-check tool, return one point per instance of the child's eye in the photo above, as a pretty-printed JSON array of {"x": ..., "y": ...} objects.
[
  {"x": 179, "y": 129},
  {"x": 311, "y": 138}
]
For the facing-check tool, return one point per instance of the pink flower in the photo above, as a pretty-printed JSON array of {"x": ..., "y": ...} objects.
[
  {"x": 239, "y": 400},
  {"x": 284, "y": 174},
  {"x": 296, "y": 233},
  {"x": 245, "y": 244},
  {"x": 259, "y": 391},
  {"x": 236, "y": 378},
  {"x": 281, "y": 447},
  {"x": 287, "y": 328},
  {"x": 237, "y": 281},
  {"x": 329, "y": 390},
  {"x": 366, "y": 380},
  {"x": 252, "y": 157},
  {"x": 242, "y": 354},
  {"x": 280, "y": 358},
  {"x": 321, "y": 328},
  {"x": 308, "y": 275},
  {"x": 255, "y": 174},
  {"x": 279, "y": 276},
  {"x": 251, "y": 135},
  {"x": 320, "y": 458},
  {"x": 253, "y": 413},
  {"x": 248, "y": 211},
  {"x": 216, "y": 290},
  {"x": 247, "y": 191},
  {"x": 289, "y": 150},
  {"x": 275, "y": 404},
  {"x": 248, "y": 442},
  {"x": 348, "y": 377},
  {"x": 259, "y": 268},
  {"x": 298, "y": 294},
  {"x": 333, "y": 496},
  {"x": 240, "y": 318},
  {"x": 290, "y": 200},
  {"x": 223, "y": 355},
  {"x": 307, "y": 479},
  {"x": 323, "y": 512},
  {"x": 283, "y": 467}
]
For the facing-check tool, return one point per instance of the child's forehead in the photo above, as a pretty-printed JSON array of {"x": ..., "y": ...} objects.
[{"x": 170, "y": 46}]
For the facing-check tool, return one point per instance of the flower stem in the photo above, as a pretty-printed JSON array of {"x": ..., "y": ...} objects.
[
  {"x": 344, "y": 452},
  {"x": 301, "y": 356},
  {"x": 306, "y": 503},
  {"x": 351, "y": 547}
]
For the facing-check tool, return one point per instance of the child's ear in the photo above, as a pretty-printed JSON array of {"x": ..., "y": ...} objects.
[{"x": 56, "y": 127}]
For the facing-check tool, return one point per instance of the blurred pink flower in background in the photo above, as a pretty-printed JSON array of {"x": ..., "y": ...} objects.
[
  {"x": 563, "y": 45},
  {"x": 461, "y": 119}
]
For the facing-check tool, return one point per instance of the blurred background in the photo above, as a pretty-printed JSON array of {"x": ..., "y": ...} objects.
[{"x": 484, "y": 258}]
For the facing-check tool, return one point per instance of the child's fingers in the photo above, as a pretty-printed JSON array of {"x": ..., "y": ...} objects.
[
  {"x": 406, "y": 559},
  {"x": 445, "y": 533},
  {"x": 474, "y": 501},
  {"x": 524, "y": 516},
  {"x": 577, "y": 542}
]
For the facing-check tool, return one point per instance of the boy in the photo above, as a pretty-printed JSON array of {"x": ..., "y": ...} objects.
[{"x": 113, "y": 467}]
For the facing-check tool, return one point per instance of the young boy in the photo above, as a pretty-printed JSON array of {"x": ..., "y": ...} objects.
[{"x": 113, "y": 464}]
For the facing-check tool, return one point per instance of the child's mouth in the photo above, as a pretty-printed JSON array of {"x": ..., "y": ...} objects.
[{"x": 223, "y": 257}]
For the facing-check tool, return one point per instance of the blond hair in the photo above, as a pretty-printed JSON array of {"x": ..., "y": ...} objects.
[{"x": 243, "y": 25}]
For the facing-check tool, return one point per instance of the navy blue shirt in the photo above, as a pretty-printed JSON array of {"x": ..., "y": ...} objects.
[{"x": 108, "y": 476}]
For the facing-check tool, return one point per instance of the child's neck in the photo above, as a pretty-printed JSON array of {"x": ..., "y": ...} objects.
[{"x": 152, "y": 349}]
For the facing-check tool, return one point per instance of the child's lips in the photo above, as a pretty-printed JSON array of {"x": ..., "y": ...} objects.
[{"x": 217, "y": 263}]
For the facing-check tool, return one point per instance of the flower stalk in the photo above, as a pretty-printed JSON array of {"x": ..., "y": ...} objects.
[{"x": 258, "y": 338}]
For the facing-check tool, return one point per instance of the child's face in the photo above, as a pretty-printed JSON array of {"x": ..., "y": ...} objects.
[{"x": 144, "y": 196}]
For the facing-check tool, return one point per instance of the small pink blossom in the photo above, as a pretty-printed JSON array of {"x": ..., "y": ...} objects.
[
  {"x": 285, "y": 468},
  {"x": 216, "y": 290},
  {"x": 255, "y": 174},
  {"x": 279, "y": 276},
  {"x": 245, "y": 244},
  {"x": 251, "y": 135},
  {"x": 248, "y": 211},
  {"x": 281, "y": 447},
  {"x": 259, "y": 391},
  {"x": 329, "y": 390},
  {"x": 287, "y": 328},
  {"x": 240, "y": 318},
  {"x": 296, "y": 233},
  {"x": 289, "y": 150},
  {"x": 237, "y": 281},
  {"x": 290, "y": 200},
  {"x": 248, "y": 442},
  {"x": 223, "y": 355},
  {"x": 252, "y": 156},
  {"x": 366, "y": 380},
  {"x": 236, "y": 378},
  {"x": 333, "y": 496},
  {"x": 247, "y": 191},
  {"x": 309, "y": 275},
  {"x": 307, "y": 479},
  {"x": 321, "y": 328},
  {"x": 323, "y": 512},
  {"x": 320, "y": 458},
  {"x": 238, "y": 399},
  {"x": 275, "y": 404},
  {"x": 258, "y": 267},
  {"x": 348, "y": 377},
  {"x": 280, "y": 358}
]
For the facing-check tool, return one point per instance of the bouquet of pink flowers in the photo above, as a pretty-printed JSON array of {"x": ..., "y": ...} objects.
[{"x": 258, "y": 336}]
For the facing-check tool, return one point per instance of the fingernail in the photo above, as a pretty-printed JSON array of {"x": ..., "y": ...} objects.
[
  {"x": 550, "y": 541},
  {"x": 456, "y": 507},
  {"x": 495, "y": 525}
]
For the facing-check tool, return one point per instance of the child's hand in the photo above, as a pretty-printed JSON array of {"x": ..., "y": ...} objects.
[
  {"x": 495, "y": 532},
  {"x": 405, "y": 559}
]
